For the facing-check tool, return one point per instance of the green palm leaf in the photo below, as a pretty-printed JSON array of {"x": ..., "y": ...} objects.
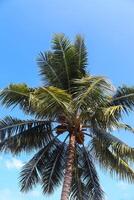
[
  {"x": 124, "y": 96},
  {"x": 32, "y": 171},
  {"x": 53, "y": 170},
  {"x": 112, "y": 162},
  {"x": 17, "y": 94},
  {"x": 61, "y": 47},
  {"x": 90, "y": 177},
  {"x": 52, "y": 102},
  {"x": 64, "y": 63},
  {"x": 91, "y": 92},
  {"x": 24, "y": 135},
  {"x": 124, "y": 126},
  {"x": 113, "y": 142},
  {"x": 48, "y": 72},
  {"x": 81, "y": 54},
  {"x": 112, "y": 113},
  {"x": 45, "y": 101}
]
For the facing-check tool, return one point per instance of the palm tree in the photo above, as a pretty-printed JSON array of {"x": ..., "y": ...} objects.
[{"x": 74, "y": 114}]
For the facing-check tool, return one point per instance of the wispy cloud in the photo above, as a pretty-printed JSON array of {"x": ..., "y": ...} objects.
[
  {"x": 13, "y": 163},
  {"x": 8, "y": 194}
]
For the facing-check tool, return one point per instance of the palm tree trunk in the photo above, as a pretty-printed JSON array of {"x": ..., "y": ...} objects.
[{"x": 69, "y": 169}]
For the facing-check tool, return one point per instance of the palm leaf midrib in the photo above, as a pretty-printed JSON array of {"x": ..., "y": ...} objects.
[{"x": 23, "y": 123}]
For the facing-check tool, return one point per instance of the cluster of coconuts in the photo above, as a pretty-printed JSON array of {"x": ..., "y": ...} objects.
[{"x": 60, "y": 129}]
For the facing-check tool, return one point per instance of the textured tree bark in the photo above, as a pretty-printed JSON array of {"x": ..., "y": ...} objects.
[{"x": 69, "y": 169}]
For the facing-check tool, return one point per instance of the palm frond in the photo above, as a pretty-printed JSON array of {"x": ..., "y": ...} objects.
[
  {"x": 53, "y": 170},
  {"x": 90, "y": 176},
  {"x": 124, "y": 126},
  {"x": 81, "y": 54},
  {"x": 24, "y": 135},
  {"x": 112, "y": 113},
  {"x": 90, "y": 92},
  {"x": 42, "y": 102},
  {"x": 52, "y": 101},
  {"x": 122, "y": 101},
  {"x": 61, "y": 47},
  {"x": 32, "y": 171},
  {"x": 16, "y": 94},
  {"x": 48, "y": 71},
  {"x": 112, "y": 162},
  {"x": 114, "y": 143},
  {"x": 124, "y": 96},
  {"x": 64, "y": 62},
  {"x": 105, "y": 116}
]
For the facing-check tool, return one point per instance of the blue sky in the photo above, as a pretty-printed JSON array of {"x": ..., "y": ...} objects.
[{"x": 26, "y": 28}]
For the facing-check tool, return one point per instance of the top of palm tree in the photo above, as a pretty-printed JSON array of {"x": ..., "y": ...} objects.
[{"x": 65, "y": 62}]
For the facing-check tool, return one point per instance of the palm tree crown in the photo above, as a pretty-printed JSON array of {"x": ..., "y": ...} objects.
[{"x": 74, "y": 114}]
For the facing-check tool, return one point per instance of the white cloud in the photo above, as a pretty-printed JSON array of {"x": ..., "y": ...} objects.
[
  {"x": 14, "y": 163},
  {"x": 8, "y": 194},
  {"x": 35, "y": 193},
  {"x": 5, "y": 194}
]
